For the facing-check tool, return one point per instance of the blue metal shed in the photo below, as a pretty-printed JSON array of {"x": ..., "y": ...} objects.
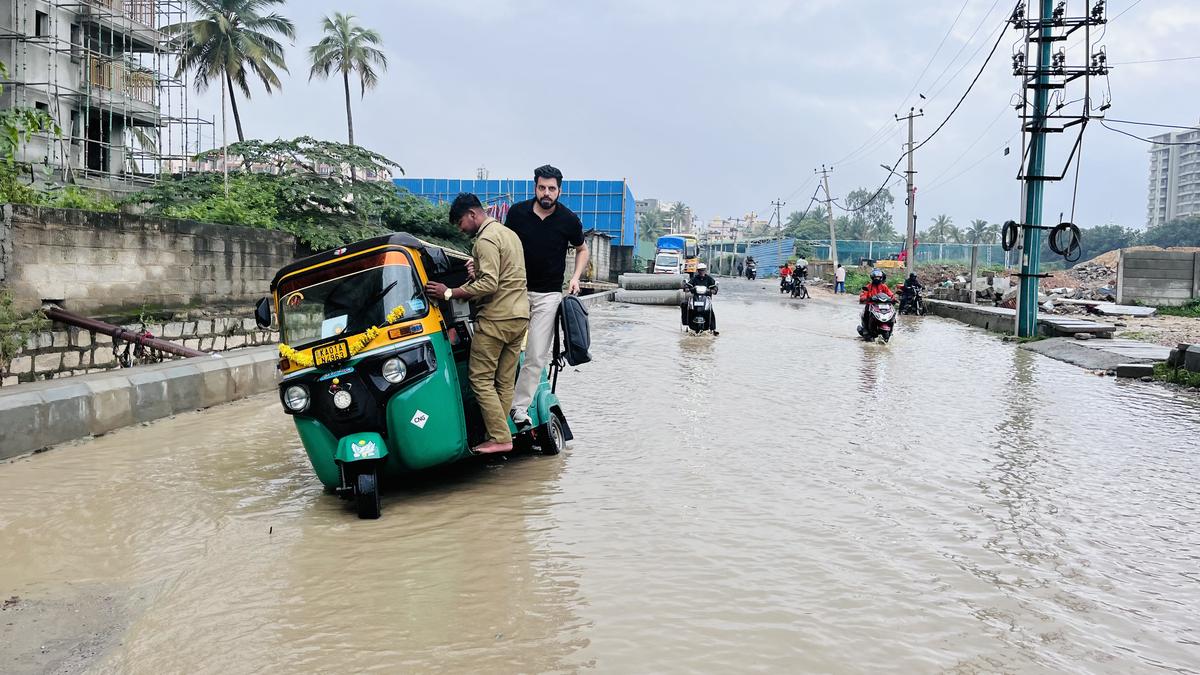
[{"x": 603, "y": 205}]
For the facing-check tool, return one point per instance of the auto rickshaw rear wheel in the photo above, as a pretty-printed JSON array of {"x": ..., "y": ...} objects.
[
  {"x": 366, "y": 494},
  {"x": 551, "y": 438}
]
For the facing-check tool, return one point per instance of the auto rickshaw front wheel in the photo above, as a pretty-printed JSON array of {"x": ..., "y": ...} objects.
[
  {"x": 551, "y": 438},
  {"x": 366, "y": 494}
]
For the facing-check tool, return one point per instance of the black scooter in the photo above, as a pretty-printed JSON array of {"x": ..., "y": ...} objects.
[
  {"x": 912, "y": 302},
  {"x": 698, "y": 315},
  {"x": 751, "y": 271},
  {"x": 787, "y": 283}
]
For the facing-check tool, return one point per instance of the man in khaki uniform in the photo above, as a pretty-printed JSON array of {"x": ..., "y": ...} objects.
[{"x": 501, "y": 299}]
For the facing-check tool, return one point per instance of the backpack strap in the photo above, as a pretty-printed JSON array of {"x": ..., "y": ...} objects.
[{"x": 556, "y": 356}]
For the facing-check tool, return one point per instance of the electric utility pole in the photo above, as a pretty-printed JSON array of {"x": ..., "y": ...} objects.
[
  {"x": 778, "y": 204},
  {"x": 1050, "y": 72},
  {"x": 833, "y": 252},
  {"x": 911, "y": 198}
]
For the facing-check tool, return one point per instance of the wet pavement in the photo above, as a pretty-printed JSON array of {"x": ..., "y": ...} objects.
[{"x": 782, "y": 497}]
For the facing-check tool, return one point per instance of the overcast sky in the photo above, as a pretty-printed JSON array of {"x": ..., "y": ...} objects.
[{"x": 728, "y": 105}]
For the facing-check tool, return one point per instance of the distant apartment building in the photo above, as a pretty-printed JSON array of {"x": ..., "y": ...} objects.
[
  {"x": 105, "y": 72},
  {"x": 1174, "y": 177}
]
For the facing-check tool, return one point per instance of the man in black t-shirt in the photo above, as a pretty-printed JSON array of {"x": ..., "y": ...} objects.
[{"x": 546, "y": 229}]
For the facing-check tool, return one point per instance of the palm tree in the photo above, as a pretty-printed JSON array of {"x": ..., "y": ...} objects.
[
  {"x": 993, "y": 233},
  {"x": 978, "y": 232},
  {"x": 346, "y": 48},
  {"x": 651, "y": 226},
  {"x": 680, "y": 215},
  {"x": 943, "y": 229},
  {"x": 231, "y": 39}
]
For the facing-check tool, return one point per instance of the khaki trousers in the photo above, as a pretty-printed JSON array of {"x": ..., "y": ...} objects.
[
  {"x": 543, "y": 308},
  {"x": 495, "y": 350}
]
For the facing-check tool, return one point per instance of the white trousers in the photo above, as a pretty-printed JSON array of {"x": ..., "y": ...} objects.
[{"x": 543, "y": 307}]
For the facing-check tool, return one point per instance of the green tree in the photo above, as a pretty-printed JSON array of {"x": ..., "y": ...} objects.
[
  {"x": 348, "y": 48},
  {"x": 323, "y": 209},
  {"x": 680, "y": 216},
  {"x": 230, "y": 40},
  {"x": 1104, "y": 238},
  {"x": 813, "y": 224},
  {"x": 1178, "y": 232},
  {"x": 977, "y": 233},
  {"x": 870, "y": 215},
  {"x": 651, "y": 226},
  {"x": 17, "y": 126},
  {"x": 942, "y": 230},
  {"x": 993, "y": 233}
]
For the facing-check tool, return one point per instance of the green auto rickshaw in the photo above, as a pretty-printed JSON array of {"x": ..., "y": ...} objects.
[{"x": 375, "y": 373}]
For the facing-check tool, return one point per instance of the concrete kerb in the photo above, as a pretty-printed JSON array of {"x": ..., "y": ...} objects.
[
  {"x": 38, "y": 415},
  {"x": 597, "y": 298}
]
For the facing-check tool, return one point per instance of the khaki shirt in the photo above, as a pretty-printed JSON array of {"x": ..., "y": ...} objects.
[{"x": 499, "y": 290}]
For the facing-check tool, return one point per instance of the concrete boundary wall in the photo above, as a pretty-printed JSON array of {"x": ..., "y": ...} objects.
[
  {"x": 1158, "y": 277},
  {"x": 96, "y": 263},
  {"x": 38, "y": 415}
]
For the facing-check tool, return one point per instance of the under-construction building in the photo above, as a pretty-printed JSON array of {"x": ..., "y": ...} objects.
[{"x": 106, "y": 73}]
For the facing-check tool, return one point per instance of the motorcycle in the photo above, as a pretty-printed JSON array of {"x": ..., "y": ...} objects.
[
  {"x": 699, "y": 313},
  {"x": 799, "y": 288},
  {"x": 752, "y": 271},
  {"x": 912, "y": 302},
  {"x": 880, "y": 318},
  {"x": 786, "y": 284}
]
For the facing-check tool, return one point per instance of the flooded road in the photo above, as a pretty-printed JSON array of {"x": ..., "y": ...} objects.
[{"x": 780, "y": 498}]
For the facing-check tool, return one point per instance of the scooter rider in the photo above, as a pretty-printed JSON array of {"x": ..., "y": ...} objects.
[
  {"x": 700, "y": 277},
  {"x": 876, "y": 286},
  {"x": 909, "y": 292}
]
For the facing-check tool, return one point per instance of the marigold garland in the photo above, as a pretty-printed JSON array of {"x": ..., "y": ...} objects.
[{"x": 354, "y": 345}]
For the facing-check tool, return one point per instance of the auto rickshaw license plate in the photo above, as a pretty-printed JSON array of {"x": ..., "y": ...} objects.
[{"x": 338, "y": 351}]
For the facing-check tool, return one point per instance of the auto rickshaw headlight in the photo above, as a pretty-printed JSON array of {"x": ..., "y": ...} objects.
[
  {"x": 342, "y": 399},
  {"x": 394, "y": 370},
  {"x": 295, "y": 398}
]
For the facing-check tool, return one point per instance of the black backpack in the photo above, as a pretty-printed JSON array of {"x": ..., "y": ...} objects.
[{"x": 575, "y": 340}]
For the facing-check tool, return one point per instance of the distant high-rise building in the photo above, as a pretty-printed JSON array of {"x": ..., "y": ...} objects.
[{"x": 1174, "y": 177}]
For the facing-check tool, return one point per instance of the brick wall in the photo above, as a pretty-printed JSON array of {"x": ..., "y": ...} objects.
[
  {"x": 95, "y": 263},
  {"x": 66, "y": 353}
]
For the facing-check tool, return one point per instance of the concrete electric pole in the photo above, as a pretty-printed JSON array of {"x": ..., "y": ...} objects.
[
  {"x": 778, "y": 204},
  {"x": 1050, "y": 71},
  {"x": 911, "y": 198},
  {"x": 833, "y": 252}
]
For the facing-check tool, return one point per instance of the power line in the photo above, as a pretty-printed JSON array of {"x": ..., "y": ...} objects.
[
  {"x": 982, "y": 21},
  {"x": 883, "y": 129},
  {"x": 938, "y": 183},
  {"x": 1147, "y": 140},
  {"x": 1177, "y": 58},
  {"x": 1135, "y": 4},
  {"x": 1149, "y": 124},
  {"x": 958, "y": 105}
]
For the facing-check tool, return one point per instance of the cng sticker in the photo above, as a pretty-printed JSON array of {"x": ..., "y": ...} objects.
[
  {"x": 419, "y": 419},
  {"x": 364, "y": 449}
]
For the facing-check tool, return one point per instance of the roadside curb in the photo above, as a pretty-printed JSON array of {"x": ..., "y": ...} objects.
[{"x": 37, "y": 415}]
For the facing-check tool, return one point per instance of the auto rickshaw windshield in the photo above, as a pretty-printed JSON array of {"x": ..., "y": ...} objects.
[{"x": 347, "y": 304}]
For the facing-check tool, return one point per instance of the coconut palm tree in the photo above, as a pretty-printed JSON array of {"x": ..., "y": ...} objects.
[
  {"x": 651, "y": 226},
  {"x": 680, "y": 215},
  {"x": 943, "y": 229},
  {"x": 977, "y": 233},
  {"x": 993, "y": 233},
  {"x": 348, "y": 48},
  {"x": 230, "y": 40}
]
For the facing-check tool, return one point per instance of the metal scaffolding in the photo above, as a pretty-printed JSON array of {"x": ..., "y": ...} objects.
[{"x": 106, "y": 73}]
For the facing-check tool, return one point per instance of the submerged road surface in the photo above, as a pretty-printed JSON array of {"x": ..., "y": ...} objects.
[{"x": 782, "y": 498}]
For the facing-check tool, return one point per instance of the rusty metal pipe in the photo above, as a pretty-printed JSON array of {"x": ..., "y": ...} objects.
[{"x": 61, "y": 315}]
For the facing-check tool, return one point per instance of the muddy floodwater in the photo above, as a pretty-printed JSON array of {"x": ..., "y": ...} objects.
[{"x": 782, "y": 498}]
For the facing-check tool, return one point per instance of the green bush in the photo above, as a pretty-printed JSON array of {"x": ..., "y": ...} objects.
[
  {"x": 1190, "y": 310},
  {"x": 323, "y": 208},
  {"x": 1181, "y": 376},
  {"x": 15, "y": 328}
]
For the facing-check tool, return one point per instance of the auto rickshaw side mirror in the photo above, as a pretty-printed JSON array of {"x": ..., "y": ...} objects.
[{"x": 262, "y": 313}]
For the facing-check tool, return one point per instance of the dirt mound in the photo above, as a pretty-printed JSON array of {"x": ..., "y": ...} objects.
[{"x": 1111, "y": 258}]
